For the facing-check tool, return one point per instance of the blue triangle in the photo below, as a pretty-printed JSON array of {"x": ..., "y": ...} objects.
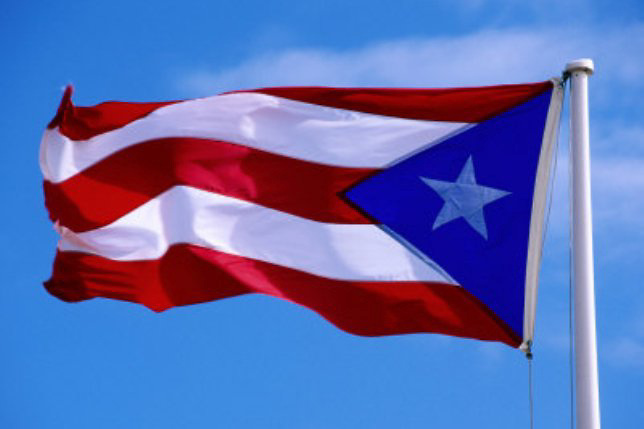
[{"x": 505, "y": 152}]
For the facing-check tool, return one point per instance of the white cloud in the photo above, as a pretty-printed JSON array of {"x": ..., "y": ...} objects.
[
  {"x": 617, "y": 190},
  {"x": 638, "y": 325},
  {"x": 555, "y": 340},
  {"x": 618, "y": 184},
  {"x": 487, "y": 57},
  {"x": 624, "y": 352},
  {"x": 617, "y": 138}
]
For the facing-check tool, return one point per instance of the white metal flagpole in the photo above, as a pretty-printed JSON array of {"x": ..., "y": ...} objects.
[{"x": 586, "y": 376}]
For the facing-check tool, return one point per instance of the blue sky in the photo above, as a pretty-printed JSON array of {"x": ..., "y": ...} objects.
[{"x": 257, "y": 362}]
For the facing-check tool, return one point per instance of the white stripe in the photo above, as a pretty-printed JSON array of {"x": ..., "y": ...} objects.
[
  {"x": 300, "y": 130},
  {"x": 188, "y": 215}
]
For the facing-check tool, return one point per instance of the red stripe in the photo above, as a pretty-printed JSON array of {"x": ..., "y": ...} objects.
[
  {"x": 82, "y": 123},
  {"x": 449, "y": 104},
  {"x": 127, "y": 179},
  {"x": 188, "y": 274}
]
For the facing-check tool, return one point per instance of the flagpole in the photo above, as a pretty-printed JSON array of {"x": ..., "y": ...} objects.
[{"x": 586, "y": 375}]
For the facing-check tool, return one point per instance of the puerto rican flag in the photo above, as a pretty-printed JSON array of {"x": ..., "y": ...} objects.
[{"x": 386, "y": 211}]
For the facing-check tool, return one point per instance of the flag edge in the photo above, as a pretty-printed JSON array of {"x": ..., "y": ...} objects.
[{"x": 537, "y": 218}]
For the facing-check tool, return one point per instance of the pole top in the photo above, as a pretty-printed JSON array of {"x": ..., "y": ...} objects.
[{"x": 582, "y": 64}]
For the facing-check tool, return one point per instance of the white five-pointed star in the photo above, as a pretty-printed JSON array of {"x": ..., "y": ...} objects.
[{"x": 464, "y": 198}]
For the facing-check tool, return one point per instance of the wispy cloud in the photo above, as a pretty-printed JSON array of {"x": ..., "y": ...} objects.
[
  {"x": 617, "y": 190},
  {"x": 486, "y": 57},
  {"x": 619, "y": 182},
  {"x": 624, "y": 352}
]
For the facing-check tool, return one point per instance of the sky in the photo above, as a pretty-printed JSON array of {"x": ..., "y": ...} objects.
[{"x": 258, "y": 362}]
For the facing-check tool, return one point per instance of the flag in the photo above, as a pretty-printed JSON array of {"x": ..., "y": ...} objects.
[{"x": 386, "y": 211}]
